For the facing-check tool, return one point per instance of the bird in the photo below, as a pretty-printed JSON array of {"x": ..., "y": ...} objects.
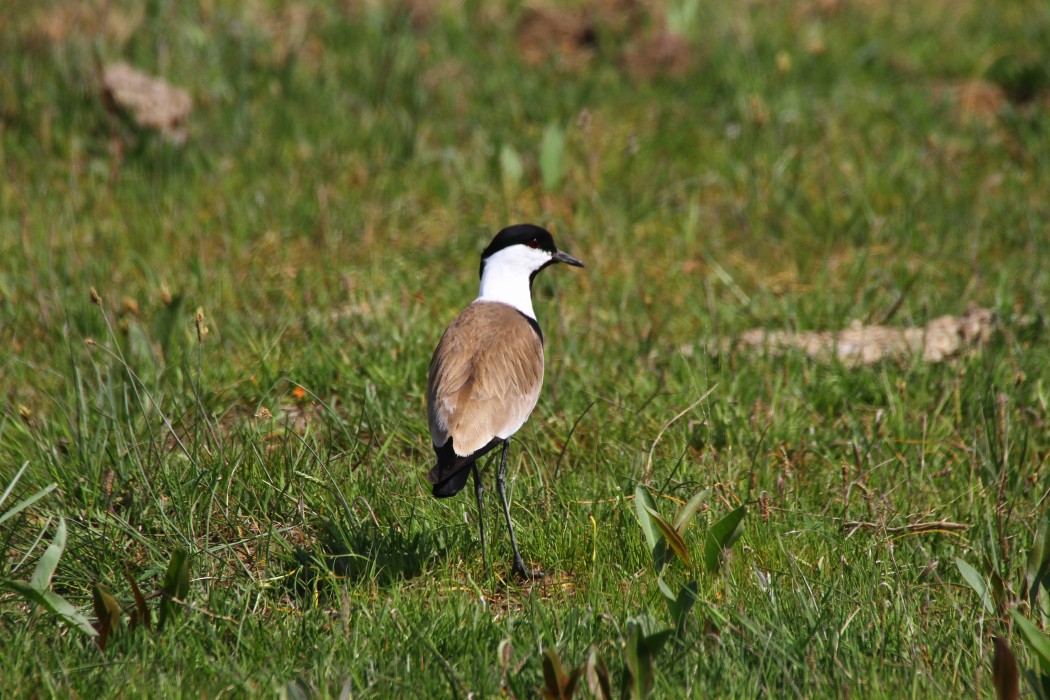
[{"x": 487, "y": 370}]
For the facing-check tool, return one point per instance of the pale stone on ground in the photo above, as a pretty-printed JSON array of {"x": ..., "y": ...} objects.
[
  {"x": 941, "y": 338},
  {"x": 152, "y": 103}
]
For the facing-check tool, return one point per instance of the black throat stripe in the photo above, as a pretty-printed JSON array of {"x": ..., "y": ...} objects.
[{"x": 534, "y": 323}]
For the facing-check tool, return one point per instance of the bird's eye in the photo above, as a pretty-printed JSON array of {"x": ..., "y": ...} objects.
[{"x": 533, "y": 243}]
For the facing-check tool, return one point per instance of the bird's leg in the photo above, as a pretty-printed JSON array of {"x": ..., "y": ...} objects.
[
  {"x": 479, "y": 493},
  {"x": 501, "y": 486}
]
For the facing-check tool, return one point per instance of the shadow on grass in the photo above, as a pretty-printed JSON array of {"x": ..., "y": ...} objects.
[{"x": 383, "y": 556}]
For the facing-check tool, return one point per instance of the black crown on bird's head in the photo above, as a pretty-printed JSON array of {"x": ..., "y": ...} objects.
[{"x": 530, "y": 235}]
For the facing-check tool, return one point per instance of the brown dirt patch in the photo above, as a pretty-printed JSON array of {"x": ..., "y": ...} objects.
[
  {"x": 571, "y": 37},
  {"x": 663, "y": 53},
  {"x": 59, "y": 23},
  {"x": 569, "y": 34},
  {"x": 974, "y": 100}
]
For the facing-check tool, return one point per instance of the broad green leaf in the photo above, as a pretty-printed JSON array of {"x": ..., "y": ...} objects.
[
  {"x": 552, "y": 156},
  {"x": 646, "y": 622},
  {"x": 661, "y": 555},
  {"x": 977, "y": 583},
  {"x": 638, "y": 667},
  {"x": 687, "y": 511},
  {"x": 721, "y": 536},
  {"x": 63, "y": 608},
  {"x": 298, "y": 689},
  {"x": 45, "y": 568},
  {"x": 1037, "y": 574},
  {"x": 728, "y": 530},
  {"x": 177, "y": 578},
  {"x": 643, "y": 504},
  {"x": 176, "y": 583},
  {"x": 674, "y": 540},
  {"x": 54, "y": 603},
  {"x": 1039, "y": 556},
  {"x": 643, "y": 642},
  {"x": 670, "y": 597},
  {"x": 510, "y": 165},
  {"x": 666, "y": 590},
  {"x": 678, "y": 604},
  {"x": 1037, "y": 642},
  {"x": 28, "y": 592},
  {"x": 654, "y": 642},
  {"x": 687, "y": 597},
  {"x": 1039, "y": 683}
]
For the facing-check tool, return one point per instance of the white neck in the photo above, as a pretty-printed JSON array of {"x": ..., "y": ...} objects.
[{"x": 506, "y": 277}]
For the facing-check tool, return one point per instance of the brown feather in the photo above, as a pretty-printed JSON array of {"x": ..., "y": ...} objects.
[{"x": 485, "y": 377}]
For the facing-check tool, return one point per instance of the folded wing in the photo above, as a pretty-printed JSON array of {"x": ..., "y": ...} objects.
[{"x": 485, "y": 379}]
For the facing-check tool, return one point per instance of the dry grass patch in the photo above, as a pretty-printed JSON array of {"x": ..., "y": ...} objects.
[
  {"x": 973, "y": 100},
  {"x": 572, "y": 35},
  {"x": 860, "y": 344}
]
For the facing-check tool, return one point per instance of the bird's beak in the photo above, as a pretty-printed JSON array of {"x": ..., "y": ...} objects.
[{"x": 567, "y": 259}]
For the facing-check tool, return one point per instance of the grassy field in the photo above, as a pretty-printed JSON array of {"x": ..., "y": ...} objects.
[{"x": 247, "y": 386}]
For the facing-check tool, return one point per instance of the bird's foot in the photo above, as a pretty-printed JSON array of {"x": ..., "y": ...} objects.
[{"x": 519, "y": 571}]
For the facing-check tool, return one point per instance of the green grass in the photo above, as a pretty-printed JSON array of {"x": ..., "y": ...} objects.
[{"x": 341, "y": 176}]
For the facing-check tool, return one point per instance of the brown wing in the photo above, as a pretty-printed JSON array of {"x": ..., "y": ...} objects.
[{"x": 485, "y": 377}]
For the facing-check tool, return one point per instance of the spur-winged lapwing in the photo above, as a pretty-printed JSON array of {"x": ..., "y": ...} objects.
[{"x": 487, "y": 370}]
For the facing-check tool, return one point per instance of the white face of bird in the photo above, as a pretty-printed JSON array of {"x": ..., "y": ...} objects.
[{"x": 507, "y": 274}]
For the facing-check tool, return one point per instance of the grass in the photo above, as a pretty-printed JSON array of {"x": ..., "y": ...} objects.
[{"x": 814, "y": 164}]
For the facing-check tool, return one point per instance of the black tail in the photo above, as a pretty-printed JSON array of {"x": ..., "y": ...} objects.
[
  {"x": 453, "y": 484},
  {"x": 449, "y": 475}
]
